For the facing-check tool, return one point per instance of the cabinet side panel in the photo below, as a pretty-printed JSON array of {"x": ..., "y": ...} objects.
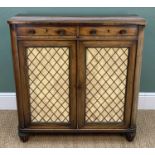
[
  {"x": 137, "y": 75},
  {"x": 16, "y": 66}
]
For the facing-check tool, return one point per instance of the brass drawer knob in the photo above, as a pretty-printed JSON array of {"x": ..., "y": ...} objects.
[
  {"x": 61, "y": 32},
  {"x": 93, "y": 32},
  {"x": 123, "y": 31}
]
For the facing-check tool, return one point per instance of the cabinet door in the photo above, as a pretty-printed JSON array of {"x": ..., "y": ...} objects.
[
  {"x": 105, "y": 83},
  {"x": 48, "y": 72}
]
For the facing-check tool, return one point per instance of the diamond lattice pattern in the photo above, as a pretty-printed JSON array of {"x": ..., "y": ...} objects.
[
  {"x": 106, "y": 72},
  {"x": 48, "y": 72}
]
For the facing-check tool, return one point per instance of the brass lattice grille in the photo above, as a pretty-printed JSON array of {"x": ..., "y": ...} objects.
[
  {"x": 48, "y": 73},
  {"x": 106, "y": 72}
]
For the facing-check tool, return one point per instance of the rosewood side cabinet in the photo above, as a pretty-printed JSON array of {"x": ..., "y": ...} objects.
[{"x": 77, "y": 74}]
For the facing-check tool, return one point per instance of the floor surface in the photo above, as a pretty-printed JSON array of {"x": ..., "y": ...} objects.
[{"x": 145, "y": 135}]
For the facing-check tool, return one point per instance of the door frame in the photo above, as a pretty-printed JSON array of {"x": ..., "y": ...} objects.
[
  {"x": 22, "y": 45},
  {"x": 81, "y": 83}
]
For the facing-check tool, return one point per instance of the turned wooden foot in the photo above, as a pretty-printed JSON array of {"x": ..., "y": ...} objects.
[
  {"x": 130, "y": 136},
  {"x": 23, "y": 137}
]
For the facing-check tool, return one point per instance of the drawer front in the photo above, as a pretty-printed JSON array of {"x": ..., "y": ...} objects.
[
  {"x": 43, "y": 31},
  {"x": 108, "y": 30}
]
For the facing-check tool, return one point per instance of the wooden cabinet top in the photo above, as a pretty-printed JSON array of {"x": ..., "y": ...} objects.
[{"x": 104, "y": 20}]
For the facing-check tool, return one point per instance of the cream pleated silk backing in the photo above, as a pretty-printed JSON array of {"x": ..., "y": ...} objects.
[
  {"x": 48, "y": 71},
  {"x": 106, "y": 70}
]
